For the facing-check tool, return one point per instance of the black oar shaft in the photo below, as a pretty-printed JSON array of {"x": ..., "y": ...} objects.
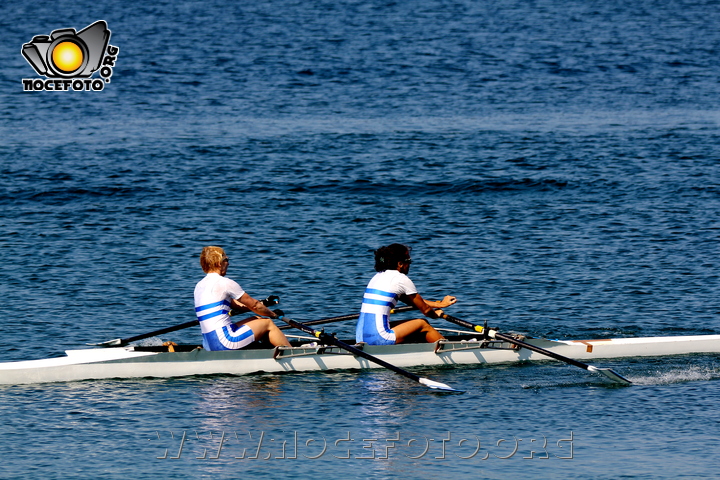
[
  {"x": 352, "y": 316},
  {"x": 329, "y": 339},
  {"x": 119, "y": 342},
  {"x": 162, "y": 331},
  {"x": 507, "y": 338},
  {"x": 548, "y": 353},
  {"x": 513, "y": 340}
]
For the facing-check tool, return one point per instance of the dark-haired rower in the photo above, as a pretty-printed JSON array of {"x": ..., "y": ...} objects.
[{"x": 389, "y": 285}]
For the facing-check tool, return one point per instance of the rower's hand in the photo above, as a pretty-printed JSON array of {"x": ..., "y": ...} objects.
[
  {"x": 439, "y": 313},
  {"x": 448, "y": 300},
  {"x": 271, "y": 301}
]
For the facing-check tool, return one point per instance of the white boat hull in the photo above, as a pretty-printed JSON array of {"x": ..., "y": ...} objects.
[{"x": 132, "y": 362}]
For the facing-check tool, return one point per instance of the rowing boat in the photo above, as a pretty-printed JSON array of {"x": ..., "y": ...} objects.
[{"x": 137, "y": 361}]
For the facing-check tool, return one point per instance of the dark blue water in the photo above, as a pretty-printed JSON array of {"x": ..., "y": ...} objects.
[{"x": 554, "y": 165}]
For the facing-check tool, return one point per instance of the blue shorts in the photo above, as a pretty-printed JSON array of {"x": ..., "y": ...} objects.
[
  {"x": 374, "y": 329},
  {"x": 229, "y": 337}
]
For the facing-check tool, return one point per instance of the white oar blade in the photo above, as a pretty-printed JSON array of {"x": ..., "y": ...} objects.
[
  {"x": 110, "y": 343},
  {"x": 438, "y": 386},
  {"x": 612, "y": 375}
]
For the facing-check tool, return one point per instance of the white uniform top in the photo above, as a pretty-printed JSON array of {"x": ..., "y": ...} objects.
[
  {"x": 381, "y": 295},
  {"x": 212, "y": 301}
]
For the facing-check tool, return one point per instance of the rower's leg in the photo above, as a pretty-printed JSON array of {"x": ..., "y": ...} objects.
[
  {"x": 416, "y": 330},
  {"x": 276, "y": 336},
  {"x": 265, "y": 328}
]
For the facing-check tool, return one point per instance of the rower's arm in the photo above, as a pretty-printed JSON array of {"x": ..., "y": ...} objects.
[
  {"x": 418, "y": 302},
  {"x": 256, "y": 306},
  {"x": 445, "y": 302}
]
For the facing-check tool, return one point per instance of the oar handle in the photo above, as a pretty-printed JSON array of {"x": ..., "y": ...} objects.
[{"x": 270, "y": 301}]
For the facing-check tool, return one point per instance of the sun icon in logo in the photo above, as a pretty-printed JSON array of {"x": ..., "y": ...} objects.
[{"x": 67, "y": 56}]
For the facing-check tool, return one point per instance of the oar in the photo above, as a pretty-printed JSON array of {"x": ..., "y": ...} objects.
[
  {"x": 611, "y": 374},
  {"x": 352, "y": 316},
  {"x": 120, "y": 342},
  {"x": 331, "y": 340}
]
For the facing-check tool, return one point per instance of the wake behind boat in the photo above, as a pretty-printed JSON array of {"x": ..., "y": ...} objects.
[{"x": 307, "y": 356}]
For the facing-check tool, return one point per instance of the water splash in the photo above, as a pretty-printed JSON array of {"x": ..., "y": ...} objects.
[{"x": 678, "y": 375}]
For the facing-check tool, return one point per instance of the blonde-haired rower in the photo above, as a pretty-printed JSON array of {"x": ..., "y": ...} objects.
[{"x": 216, "y": 295}]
